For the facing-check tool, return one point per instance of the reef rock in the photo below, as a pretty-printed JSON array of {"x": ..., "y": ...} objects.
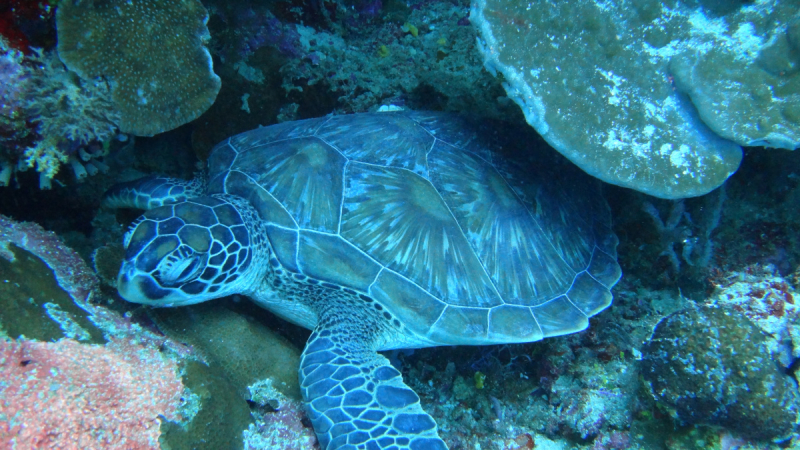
[{"x": 711, "y": 365}]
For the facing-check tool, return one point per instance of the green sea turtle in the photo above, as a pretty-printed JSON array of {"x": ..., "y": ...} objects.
[{"x": 377, "y": 231}]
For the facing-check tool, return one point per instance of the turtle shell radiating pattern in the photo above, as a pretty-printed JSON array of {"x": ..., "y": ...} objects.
[{"x": 462, "y": 240}]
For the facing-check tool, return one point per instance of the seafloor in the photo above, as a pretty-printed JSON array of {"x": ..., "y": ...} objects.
[{"x": 718, "y": 274}]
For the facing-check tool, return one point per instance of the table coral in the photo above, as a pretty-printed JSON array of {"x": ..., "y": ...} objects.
[
  {"x": 654, "y": 96},
  {"x": 742, "y": 73},
  {"x": 70, "y": 395},
  {"x": 152, "y": 52}
]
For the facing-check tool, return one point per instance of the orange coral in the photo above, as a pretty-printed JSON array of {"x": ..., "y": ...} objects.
[{"x": 68, "y": 395}]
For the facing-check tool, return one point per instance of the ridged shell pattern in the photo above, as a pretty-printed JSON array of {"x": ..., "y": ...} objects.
[{"x": 463, "y": 241}]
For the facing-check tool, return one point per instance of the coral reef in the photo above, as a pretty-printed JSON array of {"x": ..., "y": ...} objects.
[
  {"x": 295, "y": 64},
  {"x": 768, "y": 300},
  {"x": 57, "y": 297},
  {"x": 761, "y": 226},
  {"x": 693, "y": 239},
  {"x": 52, "y": 117},
  {"x": 659, "y": 102},
  {"x": 72, "y": 116},
  {"x": 570, "y": 392},
  {"x": 742, "y": 74},
  {"x": 219, "y": 413},
  {"x": 12, "y": 76},
  {"x": 35, "y": 306},
  {"x": 153, "y": 55},
  {"x": 69, "y": 269},
  {"x": 437, "y": 63},
  {"x": 66, "y": 107},
  {"x": 712, "y": 365},
  {"x": 70, "y": 395},
  {"x": 292, "y": 60},
  {"x": 261, "y": 28},
  {"x": 279, "y": 421}
]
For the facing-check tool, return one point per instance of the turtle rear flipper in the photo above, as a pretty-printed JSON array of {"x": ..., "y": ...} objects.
[
  {"x": 356, "y": 398},
  {"x": 151, "y": 192}
]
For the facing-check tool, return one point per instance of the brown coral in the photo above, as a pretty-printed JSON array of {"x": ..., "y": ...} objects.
[{"x": 152, "y": 52}]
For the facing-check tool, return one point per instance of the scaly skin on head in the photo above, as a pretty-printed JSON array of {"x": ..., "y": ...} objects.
[{"x": 193, "y": 251}]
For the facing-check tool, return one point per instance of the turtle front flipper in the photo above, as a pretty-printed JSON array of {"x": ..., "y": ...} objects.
[
  {"x": 357, "y": 400},
  {"x": 152, "y": 192}
]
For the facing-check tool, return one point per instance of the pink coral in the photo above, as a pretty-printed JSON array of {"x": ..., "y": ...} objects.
[
  {"x": 78, "y": 280},
  {"x": 68, "y": 395}
]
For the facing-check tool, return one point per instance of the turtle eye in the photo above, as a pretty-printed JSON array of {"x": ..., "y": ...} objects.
[{"x": 181, "y": 266}]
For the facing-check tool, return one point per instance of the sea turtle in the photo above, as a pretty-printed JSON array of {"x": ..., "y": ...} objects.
[{"x": 377, "y": 231}]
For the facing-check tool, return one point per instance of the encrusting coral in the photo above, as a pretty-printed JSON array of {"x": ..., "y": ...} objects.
[{"x": 712, "y": 365}]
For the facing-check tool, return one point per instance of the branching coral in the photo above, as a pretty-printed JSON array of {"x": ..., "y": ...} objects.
[
  {"x": 64, "y": 105},
  {"x": 69, "y": 113},
  {"x": 51, "y": 116},
  {"x": 679, "y": 232}
]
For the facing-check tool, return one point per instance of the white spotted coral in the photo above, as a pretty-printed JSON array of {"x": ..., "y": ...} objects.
[{"x": 152, "y": 52}]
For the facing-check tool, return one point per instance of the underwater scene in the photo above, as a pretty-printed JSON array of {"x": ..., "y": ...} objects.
[{"x": 400, "y": 224}]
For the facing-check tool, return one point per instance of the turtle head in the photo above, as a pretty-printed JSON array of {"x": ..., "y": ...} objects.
[{"x": 185, "y": 253}]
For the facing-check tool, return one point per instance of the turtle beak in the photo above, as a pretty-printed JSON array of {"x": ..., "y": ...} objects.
[{"x": 137, "y": 288}]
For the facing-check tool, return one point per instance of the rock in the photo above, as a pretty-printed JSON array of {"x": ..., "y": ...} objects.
[{"x": 710, "y": 365}]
